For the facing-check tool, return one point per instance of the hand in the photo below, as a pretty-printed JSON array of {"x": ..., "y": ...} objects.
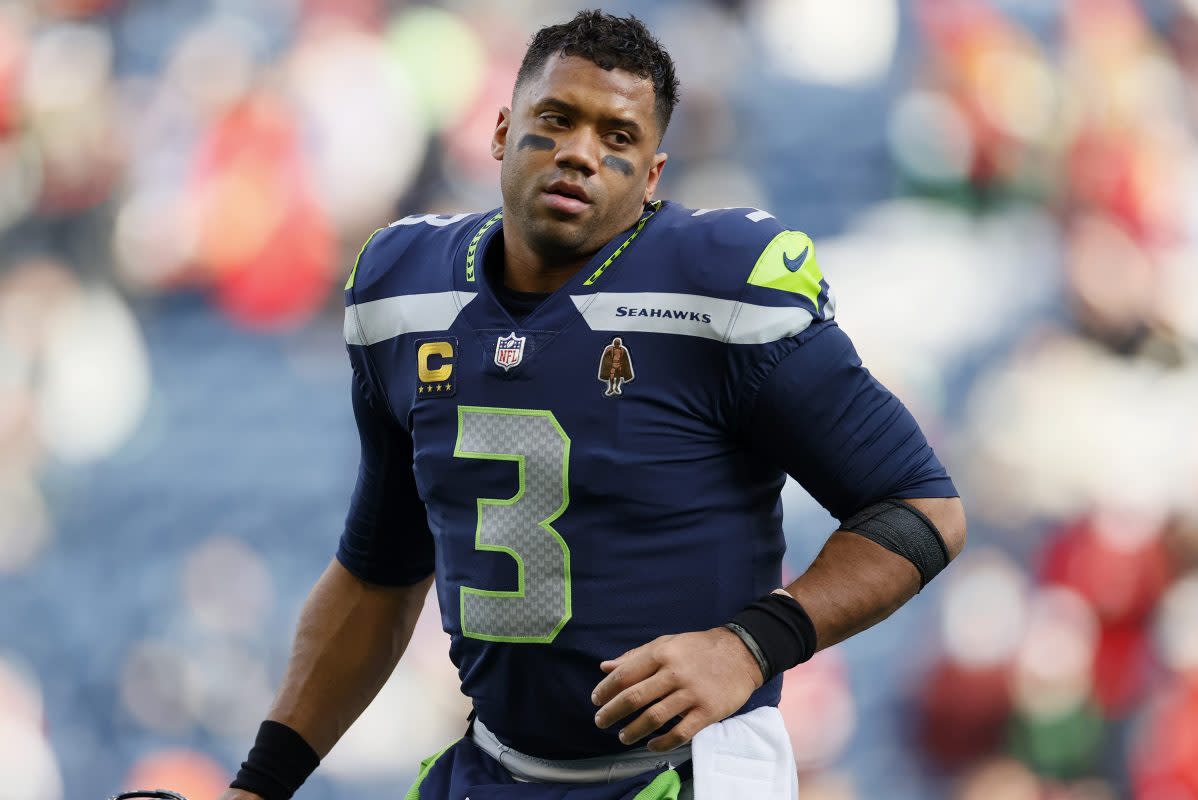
[
  {"x": 238, "y": 794},
  {"x": 702, "y": 677}
]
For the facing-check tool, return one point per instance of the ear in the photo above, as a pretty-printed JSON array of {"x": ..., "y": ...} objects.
[
  {"x": 499, "y": 138},
  {"x": 659, "y": 163}
]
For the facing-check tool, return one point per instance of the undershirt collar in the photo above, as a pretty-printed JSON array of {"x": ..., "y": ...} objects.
[{"x": 518, "y": 304}]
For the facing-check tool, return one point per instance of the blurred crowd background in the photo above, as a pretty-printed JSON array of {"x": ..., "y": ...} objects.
[{"x": 1005, "y": 194}]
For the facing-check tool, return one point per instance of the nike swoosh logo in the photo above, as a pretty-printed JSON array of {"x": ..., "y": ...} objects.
[{"x": 796, "y": 264}]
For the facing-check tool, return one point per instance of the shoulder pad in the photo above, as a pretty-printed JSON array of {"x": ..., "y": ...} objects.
[
  {"x": 747, "y": 253},
  {"x": 426, "y": 244}
]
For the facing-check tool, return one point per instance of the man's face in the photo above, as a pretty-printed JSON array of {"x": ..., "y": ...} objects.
[{"x": 579, "y": 153}]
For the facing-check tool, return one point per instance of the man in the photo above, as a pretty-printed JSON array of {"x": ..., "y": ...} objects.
[{"x": 608, "y": 566}]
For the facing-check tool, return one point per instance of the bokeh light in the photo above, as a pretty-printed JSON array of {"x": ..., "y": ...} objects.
[
  {"x": 228, "y": 587},
  {"x": 95, "y": 380},
  {"x": 161, "y": 687},
  {"x": 1177, "y": 626},
  {"x": 423, "y": 692},
  {"x": 28, "y": 766},
  {"x": 830, "y": 42},
  {"x": 190, "y": 773},
  {"x": 442, "y": 59},
  {"x": 818, "y": 707},
  {"x": 930, "y": 138},
  {"x": 25, "y": 527},
  {"x": 985, "y": 610}
]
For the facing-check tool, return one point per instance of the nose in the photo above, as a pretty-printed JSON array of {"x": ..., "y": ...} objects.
[{"x": 579, "y": 150}]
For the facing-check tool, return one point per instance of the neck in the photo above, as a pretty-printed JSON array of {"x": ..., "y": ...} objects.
[{"x": 526, "y": 269}]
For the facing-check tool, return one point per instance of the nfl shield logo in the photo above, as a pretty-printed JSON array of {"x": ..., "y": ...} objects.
[{"x": 509, "y": 351}]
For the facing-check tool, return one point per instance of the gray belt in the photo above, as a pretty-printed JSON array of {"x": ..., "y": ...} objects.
[{"x": 601, "y": 769}]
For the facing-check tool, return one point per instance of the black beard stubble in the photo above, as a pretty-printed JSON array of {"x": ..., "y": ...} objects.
[{"x": 546, "y": 240}]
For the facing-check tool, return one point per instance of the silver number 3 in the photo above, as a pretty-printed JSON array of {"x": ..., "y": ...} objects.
[{"x": 521, "y": 526}]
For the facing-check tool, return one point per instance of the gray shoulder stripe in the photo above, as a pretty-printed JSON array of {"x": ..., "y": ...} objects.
[
  {"x": 691, "y": 315},
  {"x": 379, "y": 320}
]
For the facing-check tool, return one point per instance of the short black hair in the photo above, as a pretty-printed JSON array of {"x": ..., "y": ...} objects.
[{"x": 610, "y": 42}]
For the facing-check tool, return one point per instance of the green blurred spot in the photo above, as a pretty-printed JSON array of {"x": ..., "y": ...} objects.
[
  {"x": 1066, "y": 745},
  {"x": 442, "y": 57}
]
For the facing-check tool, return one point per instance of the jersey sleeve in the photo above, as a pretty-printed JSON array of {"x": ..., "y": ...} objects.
[
  {"x": 802, "y": 401},
  {"x": 827, "y": 422},
  {"x": 386, "y": 538}
]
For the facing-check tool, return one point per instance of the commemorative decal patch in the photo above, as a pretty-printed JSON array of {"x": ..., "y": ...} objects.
[
  {"x": 435, "y": 367},
  {"x": 615, "y": 367}
]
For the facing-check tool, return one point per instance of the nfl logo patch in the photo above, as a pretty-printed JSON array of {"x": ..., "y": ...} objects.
[{"x": 509, "y": 351}]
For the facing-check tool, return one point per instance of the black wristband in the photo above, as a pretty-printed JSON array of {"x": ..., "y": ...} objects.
[
  {"x": 278, "y": 763},
  {"x": 784, "y": 634}
]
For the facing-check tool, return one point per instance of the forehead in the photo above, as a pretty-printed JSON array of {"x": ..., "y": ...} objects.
[{"x": 590, "y": 87}]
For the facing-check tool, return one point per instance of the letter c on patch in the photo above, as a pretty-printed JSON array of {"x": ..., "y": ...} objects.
[{"x": 424, "y": 358}]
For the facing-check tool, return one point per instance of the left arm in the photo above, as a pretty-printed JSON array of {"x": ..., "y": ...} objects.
[
  {"x": 855, "y": 583},
  {"x": 856, "y": 444}
]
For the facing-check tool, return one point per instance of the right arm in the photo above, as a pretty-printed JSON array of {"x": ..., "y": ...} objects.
[
  {"x": 359, "y": 618},
  {"x": 351, "y": 635}
]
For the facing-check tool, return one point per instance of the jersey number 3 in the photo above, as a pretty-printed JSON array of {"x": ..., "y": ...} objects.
[{"x": 521, "y": 526}]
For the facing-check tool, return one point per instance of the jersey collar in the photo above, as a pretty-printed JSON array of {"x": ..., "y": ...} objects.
[{"x": 558, "y": 310}]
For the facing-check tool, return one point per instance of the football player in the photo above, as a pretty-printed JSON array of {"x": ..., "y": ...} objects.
[{"x": 607, "y": 562}]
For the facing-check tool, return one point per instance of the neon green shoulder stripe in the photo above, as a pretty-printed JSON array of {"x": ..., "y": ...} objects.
[
  {"x": 349, "y": 284},
  {"x": 472, "y": 250},
  {"x": 656, "y": 206},
  {"x": 664, "y": 787},
  {"x": 426, "y": 766},
  {"x": 788, "y": 264}
]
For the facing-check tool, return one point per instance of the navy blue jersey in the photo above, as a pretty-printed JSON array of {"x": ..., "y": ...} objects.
[{"x": 607, "y": 469}]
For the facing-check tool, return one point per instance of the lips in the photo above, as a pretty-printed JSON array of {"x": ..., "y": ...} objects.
[
  {"x": 566, "y": 197},
  {"x": 568, "y": 189}
]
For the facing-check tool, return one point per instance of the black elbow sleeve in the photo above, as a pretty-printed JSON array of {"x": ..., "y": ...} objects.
[{"x": 905, "y": 530}]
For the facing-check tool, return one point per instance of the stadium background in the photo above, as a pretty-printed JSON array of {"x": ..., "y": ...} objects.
[{"x": 1005, "y": 196}]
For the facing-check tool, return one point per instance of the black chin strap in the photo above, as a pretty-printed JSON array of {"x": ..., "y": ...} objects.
[{"x": 156, "y": 794}]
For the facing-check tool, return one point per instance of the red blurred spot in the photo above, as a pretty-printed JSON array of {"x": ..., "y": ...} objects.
[
  {"x": 468, "y": 143},
  {"x": 1164, "y": 761},
  {"x": 12, "y": 59},
  {"x": 1123, "y": 669},
  {"x": 262, "y": 235},
  {"x": 287, "y": 281},
  {"x": 1102, "y": 175},
  {"x": 367, "y": 14},
  {"x": 1120, "y": 577},
  {"x": 78, "y": 8},
  {"x": 963, "y": 713},
  {"x": 191, "y": 774},
  {"x": 961, "y": 35}
]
